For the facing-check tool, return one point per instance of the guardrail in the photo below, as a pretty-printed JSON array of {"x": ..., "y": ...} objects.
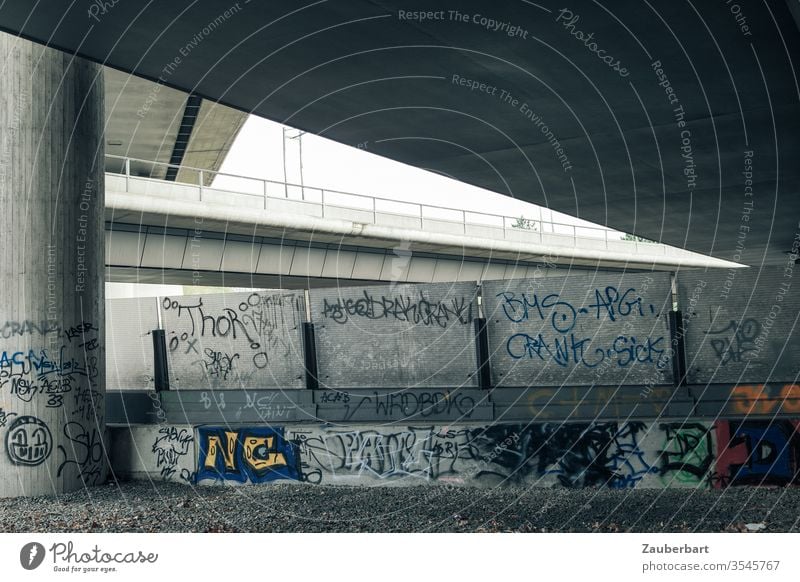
[{"x": 327, "y": 202}]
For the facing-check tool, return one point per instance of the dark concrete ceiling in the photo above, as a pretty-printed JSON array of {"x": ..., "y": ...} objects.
[{"x": 372, "y": 73}]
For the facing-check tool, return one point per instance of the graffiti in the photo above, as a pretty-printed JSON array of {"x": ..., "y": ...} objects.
[
  {"x": 54, "y": 374},
  {"x": 757, "y": 453},
  {"x": 405, "y": 403},
  {"x": 574, "y": 455},
  {"x": 624, "y": 351},
  {"x": 419, "y": 311},
  {"x": 258, "y": 320},
  {"x": 190, "y": 344},
  {"x": 225, "y": 325},
  {"x": 738, "y": 341},
  {"x": 90, "y": 344},
  {"x": 42, "y": 365},
  {"x": 688, "y": 453},
  {"x": 765, "y": 398},
  {"x": 28, "y": 441},
  {"x": 267, "y": 406},
  {"x": 333, "y": 396},
  {"x": 577, "y": 455},
  {"x": 255, "y": 455},
  {"x": 232, "y": 340},
  {"x": 83, "y": 452},
  {"x": 62, "y": 377},
  {"x": 502, "y": 447},
  {"x": 79, "y": 331},
  {"x": 88, "y": 404},
  {"x": 411, "y": 329},
  {"x": 219, "y": 364},
  {"x": 5, "y": 417},
  {"x": 566, "y": 334},
  {"x": 155, "y": 401},
  {"x": 26, "y": 389},
  {"x": 627, "y": 461},
  {"x": 27, "y": 327},
  {"x": 421, "y": 453},
  {"x": 563, "y": 315},
  {"x": 264, "y": 314},
  {"x": 261, "y": 360},
  {"x": 55, "y": 383},
  {"x": 170, "y": 446},
  {"x": 215, "y": 398}
]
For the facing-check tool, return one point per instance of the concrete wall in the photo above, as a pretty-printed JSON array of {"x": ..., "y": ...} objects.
[
  {"x": 741, "y": 325},
  {"x": 235, "y": 340},
  {"x": 444, "y": 431},
  {"x": 395, "y": 336},
  {"x": 582, "y": 330},
  {"x": 604, "y": 454},
  {"x": 129, "y": 352},
  {"x": 579, "y": 330},
  {"x": 165, "y": 452}
]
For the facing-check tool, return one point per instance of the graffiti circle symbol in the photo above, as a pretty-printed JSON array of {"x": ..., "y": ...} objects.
[
  {"x": 28, "y": 441},
  {"x": 31, "y": 555}
]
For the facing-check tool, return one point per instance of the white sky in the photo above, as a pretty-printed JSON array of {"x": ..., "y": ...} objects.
[{"x": 258, "y": 152}]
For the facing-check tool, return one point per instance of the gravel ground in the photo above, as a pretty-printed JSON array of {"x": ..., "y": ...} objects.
[{"x": 286, "y": 507}]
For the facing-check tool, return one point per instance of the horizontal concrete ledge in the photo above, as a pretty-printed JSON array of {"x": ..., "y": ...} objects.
[
  {"x": 459, "y": 405},
  {"x": 248, "y": 220}
]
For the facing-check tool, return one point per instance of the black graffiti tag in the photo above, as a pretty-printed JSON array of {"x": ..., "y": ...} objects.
[
  {"x": 84, "y": 451},
  {"x": 28, "y": 441},
  {"x": 735, "y": 340}
]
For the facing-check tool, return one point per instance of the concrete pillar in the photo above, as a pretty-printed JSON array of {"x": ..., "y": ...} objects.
[{"x": 51, "y": 260}]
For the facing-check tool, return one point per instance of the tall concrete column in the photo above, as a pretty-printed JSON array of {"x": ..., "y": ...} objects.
[{"x": 52, "y": 362}]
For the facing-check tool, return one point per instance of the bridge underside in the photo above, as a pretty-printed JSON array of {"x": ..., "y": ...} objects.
[
  {"x": 636, "y": 116},
  {"x": 152, "y": 254}
]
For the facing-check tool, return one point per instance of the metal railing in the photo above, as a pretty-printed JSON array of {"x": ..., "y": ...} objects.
[{"x": 329, "y": 200}]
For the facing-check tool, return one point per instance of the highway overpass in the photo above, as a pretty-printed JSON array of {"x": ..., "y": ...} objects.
[{"x": 261, "y": 233}]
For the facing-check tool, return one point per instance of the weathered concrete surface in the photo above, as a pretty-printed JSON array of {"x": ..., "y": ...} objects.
[
  {"x": 139, "y": 451},
  {"x": 235, "y": 340},
  {"x": 742, "y": 325},
  {"x": 603, "y": 329},
  {"x": 129, "y": 353},
  {"x": 396, "y": 336},
  {"x": 51, "y": 231}
]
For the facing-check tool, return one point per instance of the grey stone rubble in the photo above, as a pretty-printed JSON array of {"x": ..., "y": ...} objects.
[{"x": 289, "y": 507}]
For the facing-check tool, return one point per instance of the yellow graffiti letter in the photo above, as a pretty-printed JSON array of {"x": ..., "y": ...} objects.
[{"x": 228, "y": 451}]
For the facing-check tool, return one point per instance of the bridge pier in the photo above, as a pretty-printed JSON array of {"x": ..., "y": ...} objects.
[{"x": 52, "y": 386}]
